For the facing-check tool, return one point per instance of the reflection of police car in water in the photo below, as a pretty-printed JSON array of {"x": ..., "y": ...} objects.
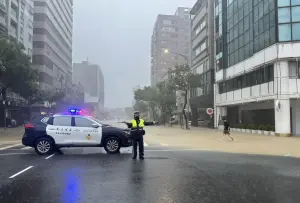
[{"x": 47, "y": 134}]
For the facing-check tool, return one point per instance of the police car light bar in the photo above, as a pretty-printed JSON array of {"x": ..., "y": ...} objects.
[{"x": 74, "y": 111}]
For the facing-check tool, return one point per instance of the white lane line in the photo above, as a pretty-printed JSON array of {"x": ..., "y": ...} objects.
[
  {"x": 10, "y": 146},
  {"x": 12, "y": 154},
  {"x": 145, "y": 144},
  {"x": 26, "y": 147},
  {"x": 26, "y": 169},
  {"x": 50, "y": 156},
  {"x": 163, "y": 144},
  {"x": 175, "y": 150}
]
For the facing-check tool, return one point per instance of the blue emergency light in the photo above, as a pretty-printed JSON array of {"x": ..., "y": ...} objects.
[{"x": 74, "y": 111}]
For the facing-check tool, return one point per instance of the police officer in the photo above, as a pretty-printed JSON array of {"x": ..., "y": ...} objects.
[{"x": 137, "y": 132}]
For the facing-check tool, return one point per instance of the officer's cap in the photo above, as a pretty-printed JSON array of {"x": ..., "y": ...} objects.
[{"x": 136, "y": 113}]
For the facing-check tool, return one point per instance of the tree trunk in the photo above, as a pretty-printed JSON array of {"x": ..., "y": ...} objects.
[
  {"x": 170, "y": 116},
  {"x": 183, "y": 110}
]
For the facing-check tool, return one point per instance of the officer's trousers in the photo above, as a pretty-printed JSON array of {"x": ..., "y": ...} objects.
[{"x": 138, "y": 140}]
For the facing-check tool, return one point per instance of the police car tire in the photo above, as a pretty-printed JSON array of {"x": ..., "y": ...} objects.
[
  {"x": 45, "y": 141},
  {"x": 109, "y": 140}
]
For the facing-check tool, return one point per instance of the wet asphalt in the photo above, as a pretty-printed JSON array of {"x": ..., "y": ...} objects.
[{"x": 167, "y": 175}]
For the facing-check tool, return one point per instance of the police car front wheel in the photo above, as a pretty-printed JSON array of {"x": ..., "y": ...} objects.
[
  {"x": 44, "y": 146},
  {"x": 112, "y": 145}
]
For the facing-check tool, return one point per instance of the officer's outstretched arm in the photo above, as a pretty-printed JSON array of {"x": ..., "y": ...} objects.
[{"x": 129, "y": 125}]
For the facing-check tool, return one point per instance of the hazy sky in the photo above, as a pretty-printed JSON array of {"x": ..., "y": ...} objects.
[{"x": 116, "y": 34}]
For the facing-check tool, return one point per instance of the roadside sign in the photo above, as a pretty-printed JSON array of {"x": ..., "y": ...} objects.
[{"x": 209, "y": 111}]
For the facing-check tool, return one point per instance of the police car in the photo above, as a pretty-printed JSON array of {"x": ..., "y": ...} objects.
[{"x": 49, "y": 133}]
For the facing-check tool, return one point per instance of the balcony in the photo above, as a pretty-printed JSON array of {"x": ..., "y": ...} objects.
[
  {"x": 13, "y": 32},
  {"x": 2, "y": 21},
  {"x": 15, "y": 3},
  {"x": 14, "y": 15},
  {"x": 3, "y": 5}
]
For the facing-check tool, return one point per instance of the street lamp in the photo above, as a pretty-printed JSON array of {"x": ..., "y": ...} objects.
[{"x": 167, "y": 51}]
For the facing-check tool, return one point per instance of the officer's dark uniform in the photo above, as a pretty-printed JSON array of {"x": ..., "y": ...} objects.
[{"x": 136, "y": 133}]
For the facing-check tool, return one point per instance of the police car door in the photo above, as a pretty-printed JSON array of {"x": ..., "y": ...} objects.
[
  {"x": 61, "y": 129},
  {"x": 86, "y": 131}
]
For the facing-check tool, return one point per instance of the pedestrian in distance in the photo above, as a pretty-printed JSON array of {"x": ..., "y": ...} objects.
[
  {"x": 137, "y": 132},
  {"x": 227, "y": 130}
]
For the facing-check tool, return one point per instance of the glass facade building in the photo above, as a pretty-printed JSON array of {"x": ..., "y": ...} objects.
[
  {"x": 257, "y": 63},
  {"x": 245, "y": 27},
  {"x": 288, "y": 20},
  {"x": 248, "y": 26}
]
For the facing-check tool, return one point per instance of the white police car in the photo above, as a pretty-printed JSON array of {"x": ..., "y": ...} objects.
[{"x": 49, "y": 133}]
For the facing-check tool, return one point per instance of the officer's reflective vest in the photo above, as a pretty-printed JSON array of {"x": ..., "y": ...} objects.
[{"x": 134, "y": 123}]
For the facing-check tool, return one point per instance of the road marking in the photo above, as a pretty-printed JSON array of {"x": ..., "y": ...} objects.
[
  {"x": 163, "y": 144},
  {"x": 145, "y": 144},
  {"x": 26, "y": 147},
  {"x": 174, "y": 150},
  {"x": 50, "y": 156},
  {"x": 10, "y": 146},
  {"x": 13, "y": 154},
  {"x": 26, "y": 169},
  {"x": 287, "y": 155}
]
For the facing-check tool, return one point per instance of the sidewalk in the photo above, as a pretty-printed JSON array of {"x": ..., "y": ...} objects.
[
  {"x": 210, "y": 139},
  {"x": 11, "y": 135}
]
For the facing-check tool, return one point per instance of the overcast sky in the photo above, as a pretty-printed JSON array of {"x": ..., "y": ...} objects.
[{"x": 116, "y": 34}]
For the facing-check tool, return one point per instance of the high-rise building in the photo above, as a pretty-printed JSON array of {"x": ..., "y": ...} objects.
[
  {"x": 257, "y": 63},
  {"x": 92, "y": 79},
  {"x": 202, "y": 59},
  {"x": 171, "y": 33},
  {"x": 52, "y": 43},
  {"x": 16, "y": 20}
]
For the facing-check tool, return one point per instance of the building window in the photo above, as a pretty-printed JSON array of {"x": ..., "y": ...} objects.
[
  {"x": 167, "y": 22},
  {"x": 288, "y": 20},
  {"x": 294, "y": 69},
  {"x": 284, "y": 15},
  {"x": 200, "y": 48},
  {"x": 284, "y": 32},
  {"x": 296, "y": 31},
  {"x": 259, "y": 76},
  {"x": 295, "y": 2},
  {"x": 282, "y": 3},
  {"x": 170, "y": 29},
  {"x": 200, "y": 26}
]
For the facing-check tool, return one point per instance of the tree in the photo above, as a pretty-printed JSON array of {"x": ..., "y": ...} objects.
[
  {"x": 141, "y": 106},
  {"x": 167, "y": 98},
  {"x": 15, "y": 68},
  {"x": 183, "y": 79},
  {"x": 150, "y": 97}
]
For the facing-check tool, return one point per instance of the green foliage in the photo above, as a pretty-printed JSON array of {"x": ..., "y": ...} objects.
[
  {"x": 161, "y": 100},
  {"x": 261, "y": 127},
  {"x": 15, "y": 68},
  {"x": 147, "y": 97},
  {"x": 140, "y": 106},
  {"x": 182, "y": 78},
  {"x": 167, "y": 98},
  {"x": 256, "y": 127}
]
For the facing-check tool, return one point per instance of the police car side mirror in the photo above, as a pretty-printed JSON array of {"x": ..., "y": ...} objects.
[{"x": 95, "y": 125}]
